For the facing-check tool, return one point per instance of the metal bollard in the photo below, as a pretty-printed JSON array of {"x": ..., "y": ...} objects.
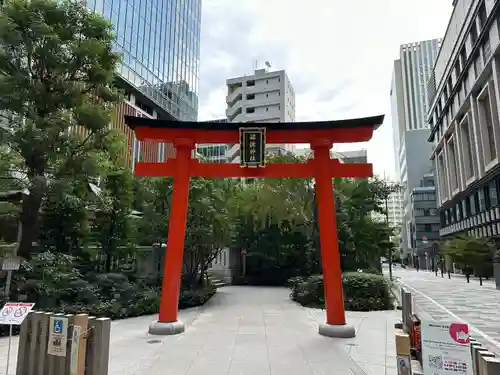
[
  {"x": 479, "y": 352},
  {"x": 474, "y": 348},
  {"x": 407, "y": 310},
  {"x": 482, "y": 356},
  {"x": 490, "y": 366}
]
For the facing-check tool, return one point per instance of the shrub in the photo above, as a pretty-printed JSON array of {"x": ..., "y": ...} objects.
[
  {"x": 362, "y": 291},
  {"x": 366, "y": 292},
  {"x": 196, "y": 297},
  {"x": 308, "y": 291},
  {"x": 51, "y": 282}
]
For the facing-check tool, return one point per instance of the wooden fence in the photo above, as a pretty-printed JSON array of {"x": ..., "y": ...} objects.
[{"x": 82, "y": 347}]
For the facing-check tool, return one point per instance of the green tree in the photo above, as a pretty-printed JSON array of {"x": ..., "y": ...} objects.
[
  {"x": 56, "y": 76},
  {"x": 152, "y": 197},
  {"x": 473, "y": 254},
  {"x": 363, "y": 240},
  {"x": 113, "y": 224},
  {"x": 275, "y": 227},
  {"x": 64, "y": 224},
  {"x": 208, "y": 228}
]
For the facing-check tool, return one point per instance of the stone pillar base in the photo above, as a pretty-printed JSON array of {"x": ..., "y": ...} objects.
[
  {"x": 164, "y": 329},
  {"x": 337, "y": 331}
]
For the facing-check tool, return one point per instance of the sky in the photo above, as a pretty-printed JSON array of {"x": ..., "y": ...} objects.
[{"x": 338, "y": 54}]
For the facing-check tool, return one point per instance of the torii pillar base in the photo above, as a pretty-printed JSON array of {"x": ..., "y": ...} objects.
[
  {"x": 337, "y": 331},
  {"x": 165, "y": 329}
]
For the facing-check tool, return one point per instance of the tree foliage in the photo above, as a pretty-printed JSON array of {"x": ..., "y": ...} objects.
[
  {"x": 277, "y": 228},
  {"x": 56, "y": 86},
  {"x": 114, "y": 226},
  {"x": 471, "y": 253}
]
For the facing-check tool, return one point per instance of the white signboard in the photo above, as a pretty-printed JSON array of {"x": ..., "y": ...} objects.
[
  {"x": 11, "y": 264},
  {"x": 446, "y": 348},
  {"x": 14, "y": 313},
  {"x": 75, "y": 347},
  {"x": 58, "y": 336}
]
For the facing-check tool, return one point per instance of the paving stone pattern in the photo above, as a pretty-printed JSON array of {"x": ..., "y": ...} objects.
[
  {"x": 475, "y": 304},
  {"x": 246, "y": 330}
]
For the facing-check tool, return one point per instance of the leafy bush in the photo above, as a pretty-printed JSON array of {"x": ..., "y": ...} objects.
[
  {"x": 366, "y": 292},
  {"x": 51, "y": 282},
  {"x": 362, "y": 291},
  {"x": 309, "y": 291},
  {"x": 196, "y": 297}
]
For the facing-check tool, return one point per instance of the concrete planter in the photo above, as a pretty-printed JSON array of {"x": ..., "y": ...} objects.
[{"x": 496, "y": 274}]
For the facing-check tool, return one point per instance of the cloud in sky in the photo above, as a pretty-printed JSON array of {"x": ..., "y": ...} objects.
[{"x": 338, "y": 54}]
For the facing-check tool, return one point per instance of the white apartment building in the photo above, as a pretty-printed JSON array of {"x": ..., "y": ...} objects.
[
  {"x": 394, "y": 211},
  {"x": 265, "y": 96},
  {"x": 464, "y": 94}
]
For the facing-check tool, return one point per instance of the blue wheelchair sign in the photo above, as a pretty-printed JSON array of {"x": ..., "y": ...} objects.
[{"x": 58, "y": 326}]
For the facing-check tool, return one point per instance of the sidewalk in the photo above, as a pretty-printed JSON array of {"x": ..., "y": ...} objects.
[
  {"x": 250, "y": 330},
  {"x": 455, "y": 299}
]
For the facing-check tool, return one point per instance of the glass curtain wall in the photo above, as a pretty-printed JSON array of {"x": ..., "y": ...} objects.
[{"x": 160, "y": 44}]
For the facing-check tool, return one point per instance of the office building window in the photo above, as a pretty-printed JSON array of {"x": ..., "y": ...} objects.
[
  {"x": 467, "y": 147},
  {"x": 443, "y": 186},
  {"x": 473, "y": 34},
  {"x": 482, "y": 16},
  {"x": 472, "y": 204},
  {"x": 453, "y": 164},
  {"x": 485, "y": 116}
]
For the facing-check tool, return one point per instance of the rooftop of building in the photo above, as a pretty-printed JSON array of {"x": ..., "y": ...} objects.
[{"x": 257, "y": 73}]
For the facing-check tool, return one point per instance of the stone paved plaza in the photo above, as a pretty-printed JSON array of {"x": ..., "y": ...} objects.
[
  {"x": 444, "y": 298},
  {"x": 255, "y": 331}
]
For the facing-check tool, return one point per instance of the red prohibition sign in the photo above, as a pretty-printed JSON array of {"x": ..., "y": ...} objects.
[
  {"x": 7, "y": 311},
  {"x": 20, "y": 312}
]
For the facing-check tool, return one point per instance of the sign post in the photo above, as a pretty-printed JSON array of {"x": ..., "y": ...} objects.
[
  {"x": 13, "y": 314},
  {"x": 403, "y": 353},
  {"x": 252, "y": 147},
  {"x": 10, "y": 264},
  {"x": 446, "y": 348}
]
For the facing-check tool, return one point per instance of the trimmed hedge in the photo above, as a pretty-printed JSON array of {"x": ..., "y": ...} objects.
[{"x": 362, "y": 291}]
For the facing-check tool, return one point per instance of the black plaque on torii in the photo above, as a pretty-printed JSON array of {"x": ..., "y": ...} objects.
[{"x": 252, "y": 147}]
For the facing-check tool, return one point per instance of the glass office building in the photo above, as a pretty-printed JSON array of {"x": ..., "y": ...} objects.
[
  {"x": 160, "y": 44},
  {"x": 214, "y": 153}
]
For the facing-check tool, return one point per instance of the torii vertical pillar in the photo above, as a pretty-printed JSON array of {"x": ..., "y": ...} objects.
[
  {"x": 168, "y": 322},
  {"x": 335, "y": 325}
]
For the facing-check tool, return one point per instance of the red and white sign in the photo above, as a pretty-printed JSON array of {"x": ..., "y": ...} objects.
[
  {"x": 14, "y": 313},
  {"x": 446, "y": 348}
]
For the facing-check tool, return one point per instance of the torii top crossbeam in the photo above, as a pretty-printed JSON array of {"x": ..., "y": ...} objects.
[{"x": 313, "y": 133}]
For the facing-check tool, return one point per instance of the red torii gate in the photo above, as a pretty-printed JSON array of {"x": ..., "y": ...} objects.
[{"x": 320, "y": 135}]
